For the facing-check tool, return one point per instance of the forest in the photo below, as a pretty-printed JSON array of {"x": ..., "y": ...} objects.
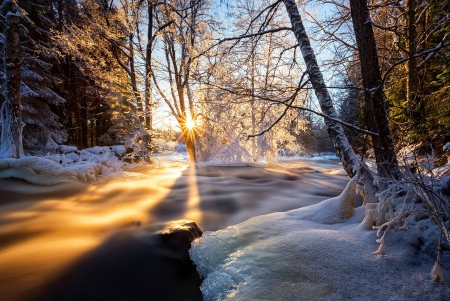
[
  {"x": 116, "y": 85},
  {"x": 94, "y": 73}
]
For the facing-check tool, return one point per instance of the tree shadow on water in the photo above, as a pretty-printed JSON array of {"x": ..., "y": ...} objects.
[{"x": 134, "y": 263}]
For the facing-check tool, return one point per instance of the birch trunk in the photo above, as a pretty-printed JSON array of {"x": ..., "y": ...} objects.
[
  {"x": 343, "y": 148},
  {"x": 148, "y": 68},
  {"x": 11, "y": 111},
  {"x": 254, "y": 158}
]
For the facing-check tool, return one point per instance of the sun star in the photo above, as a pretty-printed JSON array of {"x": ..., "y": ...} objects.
[{"x": 190, "y": 124}]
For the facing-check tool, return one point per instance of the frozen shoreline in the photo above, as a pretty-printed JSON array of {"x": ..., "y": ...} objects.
[{"x": 317, "y": 252}]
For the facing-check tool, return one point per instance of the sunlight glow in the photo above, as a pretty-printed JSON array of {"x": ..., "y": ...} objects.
[
  {"x": 190, "y": 124},
  {"x": 193, "y": 211}
]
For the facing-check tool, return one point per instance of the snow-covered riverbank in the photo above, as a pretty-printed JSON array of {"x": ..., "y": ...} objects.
[{"x": 317, "y": 252}]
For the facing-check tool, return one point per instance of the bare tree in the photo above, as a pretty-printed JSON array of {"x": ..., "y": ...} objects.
[
  {"x": 181, "y": 27},
  {"x": 383, "y": 143},
  {"x": 343, "y": 148}
]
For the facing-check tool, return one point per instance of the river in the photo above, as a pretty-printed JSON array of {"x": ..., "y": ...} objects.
[{"x": 63, "y": 242}]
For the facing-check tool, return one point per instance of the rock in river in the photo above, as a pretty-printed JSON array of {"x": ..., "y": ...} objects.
[{"x": 139, "y": 263}]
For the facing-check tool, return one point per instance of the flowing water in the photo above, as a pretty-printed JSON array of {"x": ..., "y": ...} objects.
[{"x": 82, "y": 242}]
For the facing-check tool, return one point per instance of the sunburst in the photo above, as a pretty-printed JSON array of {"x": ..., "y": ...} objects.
[
  {"x": 189, "y": 126},
  {"x": 190, "y": 123}
]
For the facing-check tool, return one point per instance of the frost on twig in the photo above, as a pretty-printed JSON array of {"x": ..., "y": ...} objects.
[
  {"x": 385, "y": 227},
  {"x": 436, "y": 272},
  {"x": 417, "y": 194}
]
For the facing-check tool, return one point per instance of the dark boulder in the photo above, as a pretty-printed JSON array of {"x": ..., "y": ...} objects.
[
  {"x": 139, "y": 263},
  {"x": 180, "y": 234}
]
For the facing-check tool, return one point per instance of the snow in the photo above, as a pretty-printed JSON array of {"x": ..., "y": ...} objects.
[
  {"x": 97, "y": 150},
  {"x": 442, "y": 170},
  {"x": 92, "y": 165},
  {"x": 67, "y": 149},
  {"x": 319, "y": 252},
  {"x": 119, "y": 150},
  {"x": 446, "y": 146}
]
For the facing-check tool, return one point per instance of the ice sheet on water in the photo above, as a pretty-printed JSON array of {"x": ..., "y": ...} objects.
[{"x": 305, "y": 255}]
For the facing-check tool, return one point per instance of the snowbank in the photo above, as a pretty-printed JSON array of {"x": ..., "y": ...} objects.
[
  {"x": 320, "y": 252},
  {"x": 90, "y": 165}
]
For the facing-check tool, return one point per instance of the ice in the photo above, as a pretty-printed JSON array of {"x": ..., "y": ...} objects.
[{"x": 319, "y": 252}]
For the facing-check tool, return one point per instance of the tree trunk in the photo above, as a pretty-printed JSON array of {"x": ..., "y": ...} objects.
[
  {"x": 411, "y": 82},
  {"x": 133, "y": 79},
  {"x": 342, "y": 146},
  {"x": 148, "y": 68},
  {"x": 375, "y": 103},
  {"x": 11, "y": 111},
  {"x": 254, "y": 158},
  {"x": 190, "y": 145}
]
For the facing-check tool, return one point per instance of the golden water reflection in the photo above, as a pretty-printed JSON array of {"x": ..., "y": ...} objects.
[
  {"x": 42, "y": 237},
  {"x": 44, "y": 230}
]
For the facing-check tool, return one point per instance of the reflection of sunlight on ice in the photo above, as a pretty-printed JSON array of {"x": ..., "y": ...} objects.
[{"x": 193, "y": 211}]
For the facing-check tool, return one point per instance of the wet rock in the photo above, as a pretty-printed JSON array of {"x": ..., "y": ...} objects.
[
  {"x": 180, "y": 234},
  {"x": 150, "y": 262}
]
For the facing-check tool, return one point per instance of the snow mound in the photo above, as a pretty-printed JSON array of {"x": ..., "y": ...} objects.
[
  {"x": 67, "y": 149},
  {"x": 119, "y": 150},
  {"x": 29, "y": 175},
  {"x": 92, "y": 166},
  {"x": 334, "y": 210},
  {"x": 37, "y": 164},
  {"x": 305, "y": 254}
]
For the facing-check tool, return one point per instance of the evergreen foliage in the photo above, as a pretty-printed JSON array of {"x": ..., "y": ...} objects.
[{"x": 42, "y": 130}]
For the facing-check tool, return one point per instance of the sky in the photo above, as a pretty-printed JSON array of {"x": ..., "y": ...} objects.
[{"x": 163, "y": 118}]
